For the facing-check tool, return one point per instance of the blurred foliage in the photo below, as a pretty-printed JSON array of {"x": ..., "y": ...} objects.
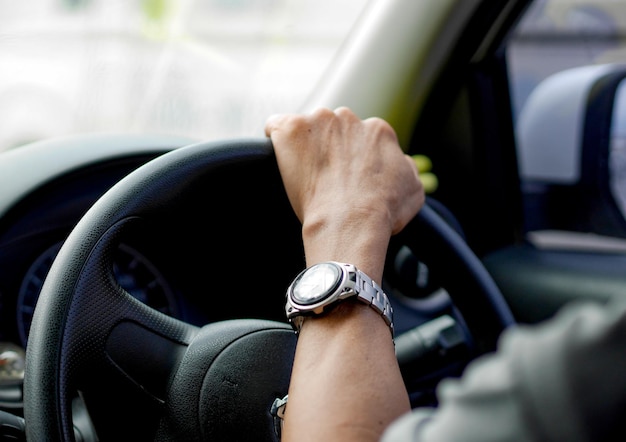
[
  {"x": 424, "y": 166},
  {"x": 155, "y": 10}
]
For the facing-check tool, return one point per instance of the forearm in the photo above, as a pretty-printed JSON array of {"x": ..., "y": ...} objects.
[{"x": 346, "y": 385}]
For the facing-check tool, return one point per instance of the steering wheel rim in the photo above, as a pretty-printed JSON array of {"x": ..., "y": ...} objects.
[
  {"x": 472, "y": 290},
  {"x": 84, "y": 320}
]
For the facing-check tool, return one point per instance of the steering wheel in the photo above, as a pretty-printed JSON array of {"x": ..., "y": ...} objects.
[{"x": 143, "y": 375}]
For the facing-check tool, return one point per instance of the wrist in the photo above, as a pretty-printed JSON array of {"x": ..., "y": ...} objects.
[
  {"x": 349, "y": 315},
  {"x": 359, "y": 241}
]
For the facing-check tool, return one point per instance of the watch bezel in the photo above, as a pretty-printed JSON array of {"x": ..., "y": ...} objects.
[{"x": 335, "y": 292}]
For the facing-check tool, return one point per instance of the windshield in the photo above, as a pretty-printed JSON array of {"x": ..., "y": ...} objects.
[{"x": 205, "y": 69}]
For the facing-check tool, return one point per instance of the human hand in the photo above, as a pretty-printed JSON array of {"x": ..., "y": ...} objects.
[{"x": 348, "y": 181}]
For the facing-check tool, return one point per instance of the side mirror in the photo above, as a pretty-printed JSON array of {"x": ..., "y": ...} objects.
[{"x": 572, "y": 151}]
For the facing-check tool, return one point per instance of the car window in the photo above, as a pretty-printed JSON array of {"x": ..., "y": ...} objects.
[
  {"x": 560, "y": 54},
  {"x": 204, "y": 69}
]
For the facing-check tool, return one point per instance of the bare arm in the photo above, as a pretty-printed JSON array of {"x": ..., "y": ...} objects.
[{"x": 352, "y": 187}]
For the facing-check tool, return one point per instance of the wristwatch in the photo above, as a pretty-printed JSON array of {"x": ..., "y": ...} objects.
[{"x": 322, "y": 286}]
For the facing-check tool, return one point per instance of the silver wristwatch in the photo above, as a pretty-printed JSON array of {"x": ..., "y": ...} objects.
[{"x": 323, "y": 285}]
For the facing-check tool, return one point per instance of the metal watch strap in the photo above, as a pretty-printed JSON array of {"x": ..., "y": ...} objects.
[{"x": 371, "y": 293}]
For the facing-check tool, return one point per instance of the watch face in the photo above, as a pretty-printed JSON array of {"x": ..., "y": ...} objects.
[{"x": 316, "y": 283}]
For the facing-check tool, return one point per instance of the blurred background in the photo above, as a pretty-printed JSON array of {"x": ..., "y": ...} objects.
[
  {"x": 218, "y": 68},
  {"x": 206, "y": 69}
]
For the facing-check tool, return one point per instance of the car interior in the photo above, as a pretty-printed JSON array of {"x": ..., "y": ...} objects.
[{"x": 143, "y": 274}]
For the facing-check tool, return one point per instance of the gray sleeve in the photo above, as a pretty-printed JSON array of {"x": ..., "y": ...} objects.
[{"x": 562, "y": 380}]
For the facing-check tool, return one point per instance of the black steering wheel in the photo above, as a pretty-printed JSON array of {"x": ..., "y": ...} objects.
[{"x": 143, "y": 375}]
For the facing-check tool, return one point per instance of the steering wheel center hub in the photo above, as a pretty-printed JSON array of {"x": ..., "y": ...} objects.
[{"x": 228, "y": 380}]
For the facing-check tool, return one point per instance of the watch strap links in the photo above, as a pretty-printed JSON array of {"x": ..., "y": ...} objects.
[{"x": 372, "y": 294}]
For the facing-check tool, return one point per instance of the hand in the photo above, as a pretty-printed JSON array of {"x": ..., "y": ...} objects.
[{"x": 349, "y": 183}]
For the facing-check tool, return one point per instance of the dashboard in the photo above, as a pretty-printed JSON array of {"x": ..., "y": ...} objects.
[
  {"x": 33, "y": 231},
  {"x": 46, "y": 188}
]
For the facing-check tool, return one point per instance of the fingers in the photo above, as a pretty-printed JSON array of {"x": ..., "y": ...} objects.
[
  {"x": 272, "y": 123},
  {"x": 383, "y": 127},
  {"x": 277, "y": 121},
  {"x": 346, "y": 113}
]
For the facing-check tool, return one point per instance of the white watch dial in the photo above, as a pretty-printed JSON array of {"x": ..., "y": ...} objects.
[{"x": 316, "y": 283}]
